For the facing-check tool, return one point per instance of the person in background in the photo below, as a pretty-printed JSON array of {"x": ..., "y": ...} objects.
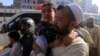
[
  {"x": 15, "y": 49},
  {"x": 94, "y": 31},
  {"x": 85, "y": 35},
  {"x": 27, "y": 29},
  {"x": 68, "y": 18}
]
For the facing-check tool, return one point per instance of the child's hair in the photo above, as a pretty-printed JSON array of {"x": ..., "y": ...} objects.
[
  {"x": 14, "y": 35},
  {"x": 48, "y": 4}
]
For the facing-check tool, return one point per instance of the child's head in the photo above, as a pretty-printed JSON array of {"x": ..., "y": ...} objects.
[{"x": 14, "y": 36}]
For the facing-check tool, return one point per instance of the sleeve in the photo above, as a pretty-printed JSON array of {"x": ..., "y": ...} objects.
[
  {"x": 42, "y": 43},
  {"x": 99, "y": 42},
  {"x": 96, "y": 37},
  {"x": 87, "y": 36},
  {"x": 6, "y": 52},
  {"x": 77, "y": 51},
  {"x": 16, "y": 51}
]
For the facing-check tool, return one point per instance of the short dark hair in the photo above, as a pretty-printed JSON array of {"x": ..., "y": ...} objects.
[
  {"x": 49, "y": 5},
  {"x": 60, "y": 7},
  {"x": 70, "y": 13},
  {"x": 14, "y": 35}
]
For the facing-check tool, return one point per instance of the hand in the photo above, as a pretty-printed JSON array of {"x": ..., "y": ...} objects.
[
  {"x": 36, "y": 48},
  {"x": 1, "y": 48},
  {"x": 67, "y": 40}
]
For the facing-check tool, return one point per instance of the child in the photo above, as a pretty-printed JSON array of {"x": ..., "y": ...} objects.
[{"x": 15, "y": 46}]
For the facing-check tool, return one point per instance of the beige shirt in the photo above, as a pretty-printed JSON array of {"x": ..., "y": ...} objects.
[
  {"x": 86, "y": 36},
  {"x": 95, "y": 34},
  {"x": 77, "y": 48}
]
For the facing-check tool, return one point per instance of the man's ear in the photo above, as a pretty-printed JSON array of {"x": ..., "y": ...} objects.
[{"x": 73, "y": 23}]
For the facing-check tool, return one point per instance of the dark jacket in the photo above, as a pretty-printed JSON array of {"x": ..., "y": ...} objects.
[{"x": 27, "y": 42}]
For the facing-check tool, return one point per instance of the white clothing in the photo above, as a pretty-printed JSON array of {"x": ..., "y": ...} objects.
[
  {"x": 42, "y": 43},
  {"x": 14, "y": 51},
  {"x": 5, "y": 52},
  {"x": 39, "y": 54},
  {"x": 77, "y": 48}
]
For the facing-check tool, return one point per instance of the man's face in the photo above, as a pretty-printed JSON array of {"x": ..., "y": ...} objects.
[
  {"x": 24, "y": 28},
  {"x": 62, "y": 22},
  {"x": 48, "y": 14},
  {"x": 90, "y": 22}
]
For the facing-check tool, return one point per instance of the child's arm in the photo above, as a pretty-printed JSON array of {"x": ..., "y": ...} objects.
[{"x": 4, "y": 47}]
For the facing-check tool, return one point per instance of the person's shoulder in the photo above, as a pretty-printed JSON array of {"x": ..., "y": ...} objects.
[
  {"x": 77, "y": 48},
  {"x": 17, "y": 44},
  {"x": 83, "y": 29},
  {"x": 97, "y": 26},
  {"x": 79, "y": 42},
  {"x": 40, "y": 37}
]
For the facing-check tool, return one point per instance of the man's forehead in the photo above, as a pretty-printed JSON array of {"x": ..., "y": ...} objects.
[
  {"x": 63, "y": 11},
  {"x": 91, "y": 19}
]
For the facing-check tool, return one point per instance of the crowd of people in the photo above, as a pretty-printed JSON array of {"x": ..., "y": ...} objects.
[{"x": 59, "y": 33}]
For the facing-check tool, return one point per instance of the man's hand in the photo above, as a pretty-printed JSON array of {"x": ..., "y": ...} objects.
[{"x": 67, "y": 40}]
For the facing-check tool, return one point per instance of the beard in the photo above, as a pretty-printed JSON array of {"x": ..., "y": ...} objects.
[
  {"x": 90, "y": 25},
  {"x": 64, "y": 31}
]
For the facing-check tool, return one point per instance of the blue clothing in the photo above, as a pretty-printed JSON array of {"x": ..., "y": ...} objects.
[
  {"x": 14, "y": 51},
  {"x": 42, "y": 43}
]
